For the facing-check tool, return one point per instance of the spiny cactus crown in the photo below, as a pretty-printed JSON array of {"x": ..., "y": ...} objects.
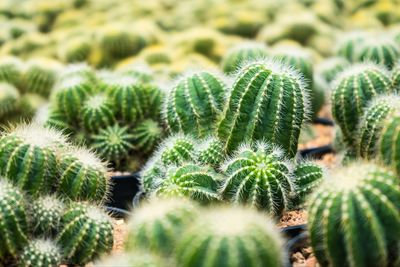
[
  {"x": 331, "y": 67},
  {"x": 46, "y": 213},
  {"x": 349, "y": 44},
  {"x": 97, "y": 112},
  {"x": 381, "y": 50},
  {"x": 40, "y": 252},
  {"x": 9, "y": 96},
  {"x": 146, "y": 135},
  {"x": 210, "y": 151}
]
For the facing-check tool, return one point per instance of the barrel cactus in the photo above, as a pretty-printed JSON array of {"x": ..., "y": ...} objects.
[
  {"x": 357, "y": 202},
  {"x": 9, "y": 97},
  {"x": 137, "y": 258},
  {"x": 348, "y": 46},
  {"x": 146, "y": 135},
  {"x": 259, "y": 176},
  {"x": 193, "y": 105},
  {"x": 352, "y": 91},
  {"x": 210, "y": 151},
  {"x": 380, "y": 50},
  {"x": 45, "y": 213},
  {"x": 40, "y": 252},
  {"x": 86, "y": 233},
  {"x": 396, "y": 77},
  {"x": 230, "y": 237},
  {"x": 10, "y": 70},
  {"x": 268, "y": 101},
  {"x": 97, "y": 112},
  {"x": 389, "y": 140},
  {"x": 331, "y": 67},
  {"x": 176, "y": 149}
]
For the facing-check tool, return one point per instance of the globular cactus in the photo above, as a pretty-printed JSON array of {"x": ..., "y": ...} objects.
[
  {"x": 210, "y": 151},
  {"x": 176, "y": 149},
  {"x": 75, "y": 50},
  {"x": 86, "y": 233},
  {"x": 78, "y": 69},
  {"x": 331, "y": 67},
  {"x": 14, "y": 225},
  {"x": 150, "y": 173},
  {"x": 29, "y": 104},
  {"x": 10, "y": 70},
  {"x": 387, "y": 147},
  {"x": 45, "y": 214},
  {"x": 82, "y": 176},
  {"x": 153, "y": 98},
  {"x": 354, "y": 217},
  {"x": 348, "y": 46},
  {"x": 141, "y": 72},
  {"x": 40, "y": 252},
  {"x": 241, "y": 53},
  {"x": 193, "y": 105},
  {"x": 97, "y": 113},
  {"x": 28, "y": 157},
  {"x": 113, "y": 143},
  {"x": 137, "y": 258},
  {"x": 9, "y": 97},
  {"x": 230, "y": 237},
  {"x": 379, "y": 50},
  {"x": 50, "y": 117},
  {"x": 396, "y": 77},
  {"x": 158, "y": 224},
  {"x": 352, "y": 90},
  {"x": 260, "y": 177},
  {"x": 268, "y": 101},
  {"x": 146, "y": 135}
]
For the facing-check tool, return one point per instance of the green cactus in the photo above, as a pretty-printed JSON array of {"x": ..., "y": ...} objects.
[
  {"x": 354, "y": 217},
  {"x": 45, "y": 214},
  {"x": 83, "y": 176},
  {"x": 259, "y": 177},
  {"x": 78, "y": 69},
  {"x": 241, "y": 53},
  {"x": 389, "y": 138},
  {"x": 146, "y": 135},
  {"x": 9, "y": 97},
  {"x": 210, "y": 151},
  {"x": 76, "y": 50},
  {"x": 50, "y": 117},
  {"x": 86, "y": 233},
  {"x": 193, "y": 105},
  {"x": 230, "y": 237},
  {"x": 141, "y": 72},
  {"x": 150, "y": 173},
  {"x": 381, "y": 51},
  {"x": 176, "y": 149},
  {"x": 137, "y": 258},
  {"x": 351, "y": 92},
  {"x": 331, "y": 67},
  {"x": 268, "y": 101},
  {"x": 97, "y": 113},
  {"x": 28, "y": 157},
  {"x": 396, "y": 77},
  {"x": 10, "y": 70},
  {"x": 29, "y": 104},
  {"x": 153, "y": 97},
  {"x": 40, "y": 252},
  {"x": 14, "y": 225},
  {"x": 348, "y": 46},
  {"x": 158, "y": 224}
]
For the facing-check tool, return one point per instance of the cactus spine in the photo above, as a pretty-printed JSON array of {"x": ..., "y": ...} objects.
[
  {"x": 45, "y": 213},
  {"x": 176, "y": 149},
  {"x": 194, "y": 103},
  {"x": 268, "y": 101},
  {"x": 307, "y": 177},
  {"x": 210, "y": 151},
  {"x": 40, "y": 252},
  {"x": 358, "y": 205},
  {"x": 146, "y": 135},
  {"x": 97, "y": 113},
  {"x": 381, "y": 51}
]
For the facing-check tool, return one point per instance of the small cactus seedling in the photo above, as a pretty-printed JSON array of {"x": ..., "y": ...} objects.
[
  {"x": 14, "y": 225},
  {"x": 97, "y": 113},
  {"x": 352, "y": 91},
  {"x": 113, "y": 143},
  {"x": 396, "y": 77},
  {"x": 146, "y": 135},
  {"x": 331, "y": 67},
  {"x": 210, "y": 151},
  {"x": 260, "y": 177},
  {"x": 348, "y": 46},
  {"x": 40, "y": 252},
  {"x": 193, "y": 105},
  {"x": 28, "y": 157},
  {"x": 381, "y": 51},
  {"x": 45, "y": 213},
  {"x": 9, "y": 97},
  {"x": 354, "y": 217},
  {"x": 10, "y": 70},
  {"x": 158, "y": 224},
  {"x": 86, "y": 233},
  {"x": 268, "y": 101},
  {"x": 82, "y": 176},
  {"x": 241, "y": 53},
  {"x": 230, "y": 237}
]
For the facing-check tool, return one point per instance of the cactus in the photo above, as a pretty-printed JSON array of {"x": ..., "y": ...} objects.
[
  {"x": 97, "y": 113},
  {"x": 235, "y": 57},
  {"x": 9, "y": 97},
  {"x": 348, "y": 46},
  {"x": 82, "y": 176},
  {"x": 146, "y": 135},
  {"x": 210, "y": 151},
  {"x": 152, "y": 98},
  {"x": 259, "y": 176},
  {"x": 113, "y": 143},
  {"x": 176, "y": 149},
  {"x": 86, "y": 233},
  {"x": 193, "y": 105},
  {"x": 40, "y": 252},
  {"x": 28, "y": 157},
  {"x": 76, "y": 50},
  {"x": 387, "y": 147},
  {"x": 396, "y": 77},
  {"x": 268, "y": 101},
  {"x": 230, "y": 237},
  {"x": 331, "y": 67},
  {"x": 137, "y": 258},
  {"x": 78, "y": 69},
  {"x": 350, "y": 95},
  {"x": 10, "y": 70},
  {"x": 50, "y": 117},
  {"x": 141, "y": 72},
  {"x": 381, "y": 51},
  {"x": 157, "y": 225},
  {"x": 14, "y": 225},
  {"x": 29, "y": 104},
  {"x": 358, "y": 206},
  {"x": 150, "y": 173},
  {"x": 45, "y": 213}
]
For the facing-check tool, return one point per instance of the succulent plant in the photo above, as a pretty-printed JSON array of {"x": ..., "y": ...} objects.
[
  {"x": 150, "y": 173},
  {"x": 230, "y": 237},
  {"x": 331, "y": 67},
  {"x": 158, "y": 224},
  {"x": 268, "y": 101},
  {"x": 40, "y": 252},
  {"x": 29, "y": 104},
  {"x": 45, "y": 214},
  {"x": 86, "y": 233},
  {"x": 396, "y": 77},
  {"x": 76, "y": 50},
  {"x": 137, "y": 258},
  {"x": 357, "y": 202},
  {"x": 97, "y": 113},
  {"x": 348, "y": 46},
  {"x": 146, "y": 135},
  {"x": 14, "y": 223},
  {"x": 176, "y": 149},
  {"x": 260, "y": 177},
  {"x": 52, "y": 118},
  {"x": 210, "y": 151},
  {"x": 9, "y": 97},
  {"x": 352, "y": 91},
  {"x": 10, "y": 70},
  {"x": 82, "y": 176},
  {"x": 153, "y": 97},
  {"x": 78, "y": 70},
  {"x": 381, "y": 51},
  {"x": 193, "y": 105}
]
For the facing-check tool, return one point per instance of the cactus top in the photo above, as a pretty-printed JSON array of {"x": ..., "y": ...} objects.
[{"x": 87, "y": 158}]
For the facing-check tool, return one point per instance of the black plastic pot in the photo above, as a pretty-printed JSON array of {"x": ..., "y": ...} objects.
[
  {"x": 297, "y": 237},
  {"x": 316, "y": 152},
  {"x": 323, "y": 121}
]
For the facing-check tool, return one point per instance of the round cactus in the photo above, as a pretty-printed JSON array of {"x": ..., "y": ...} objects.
[
  {"x": 14, "y": 225},
  {"x": 28, "y": 157},
  {"x": 396, "y": 77},
  {"x": 331, "y": 67},
  {"x": 268, "y": 101},
  {"x": 82, "y": 176},
  {"x": 176, "y": 149},
  {"x": 137, "y": 258},
  {"x": 350, "y": 95},
  {"x": 78, "y": 69},
  {"x": 153, "y": 97},
  {"x": 113, "y": 143},
  {"x": 348, "y": 46},
  {"x": 86, "y": 233},
  {"x": 358, "y": 206},
  {"x": 40, "y": 252},
  {"x": 9, "y": 97},
  {"x": 29, "y": 104},
  {"x": 389, "y": 138},
  {"x": 45, "y": 213},
  {"x": 210, "y": 151},
  {"x": 239, "y": 54},
  {"x": 51, "y": 118},
  {"x": 10, "y": 70},
  {"x": 97, "y": 113},
  {"x": 146, "y": 135},
  {"x": 158, "y": 224},
  {"x": 142, "y": 72},
  {"x": 76, "y": 50},
  {"x": 193, "y": 105},
  {"x": 381, "y": 51},
  {"x": 150, "y": 174},
  {"x": 260, "y": 177},
  {"x": 230, "y": 237}
]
